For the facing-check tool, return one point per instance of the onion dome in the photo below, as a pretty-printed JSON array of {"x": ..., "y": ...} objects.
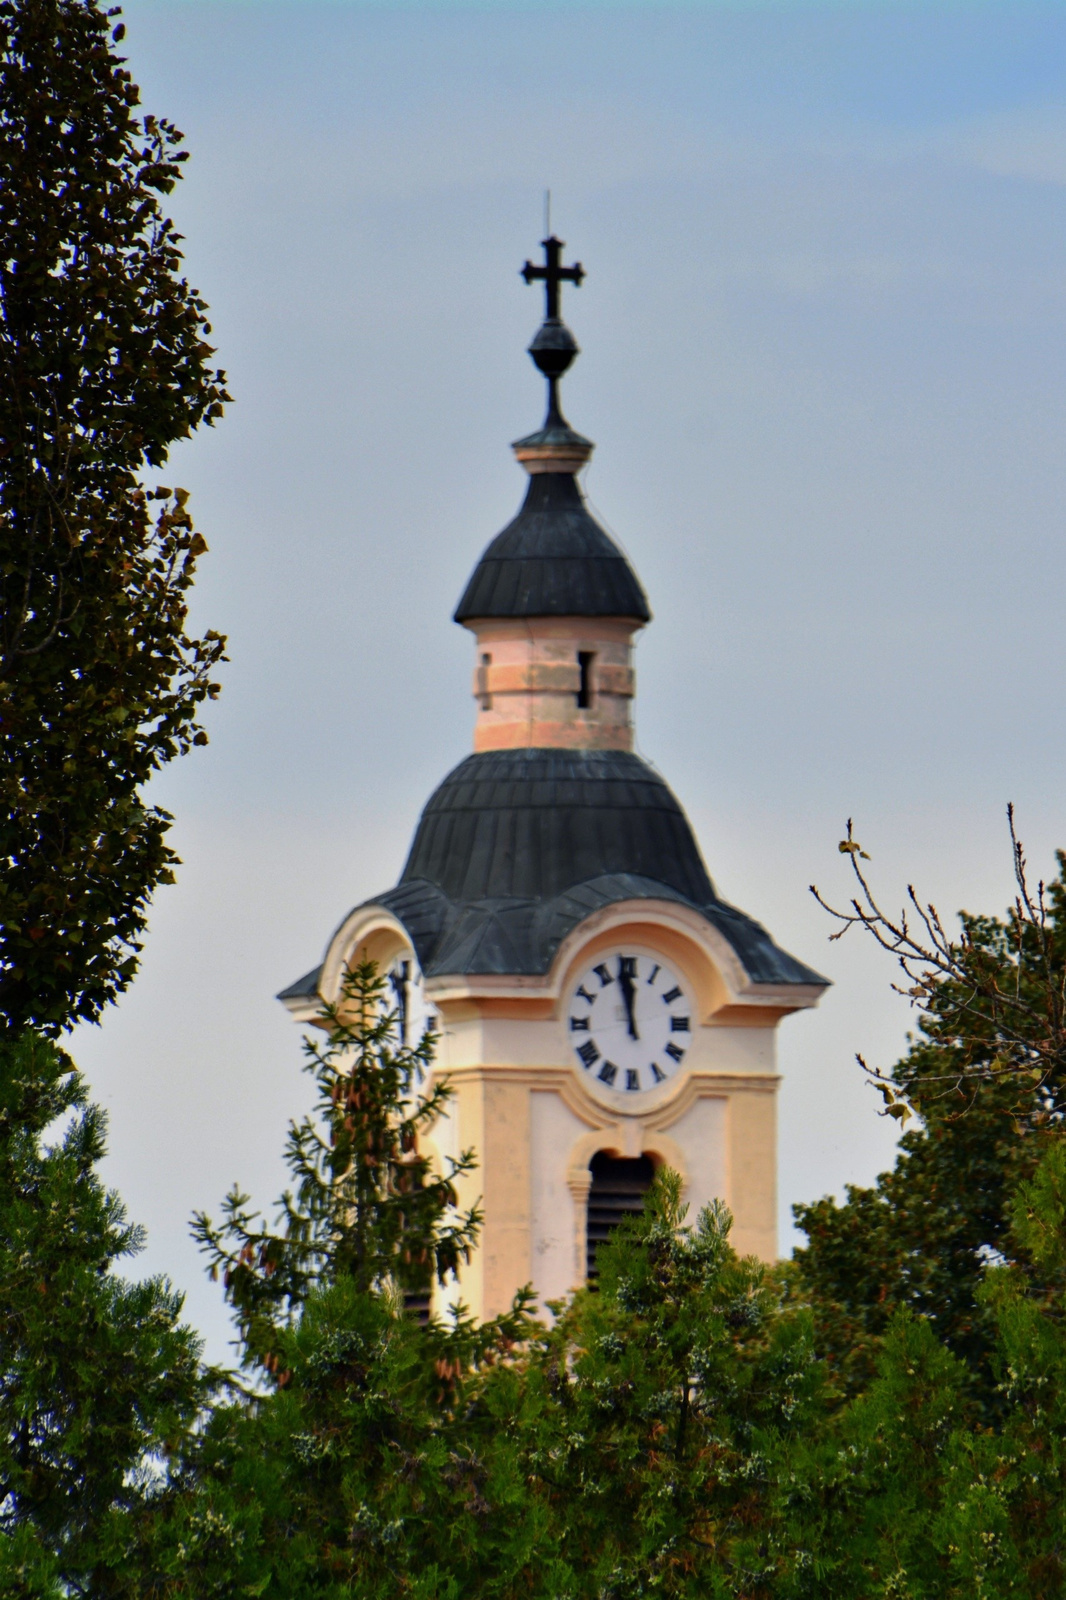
[
  {"x": 518, "y": 847},
  {"x": 553, "y": 559},
  {"x": 532, "y": 823}
]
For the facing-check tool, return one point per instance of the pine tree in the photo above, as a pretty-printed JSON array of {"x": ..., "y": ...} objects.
[
  {"x": 658, "y": 1418},
  {"x": 100, "y": 1383},
  {"x": 359, "y": 1462},
  {"x": 365, "y": 1205}
]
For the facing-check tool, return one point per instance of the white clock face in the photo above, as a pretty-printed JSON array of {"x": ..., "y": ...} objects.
[{"x": 629, "y": 1018}]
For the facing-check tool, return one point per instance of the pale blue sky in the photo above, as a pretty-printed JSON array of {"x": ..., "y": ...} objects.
[{"x": 824, "y": 331}]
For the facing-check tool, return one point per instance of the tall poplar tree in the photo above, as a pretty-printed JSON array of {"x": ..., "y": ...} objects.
[{"x": 104, "y": 364}]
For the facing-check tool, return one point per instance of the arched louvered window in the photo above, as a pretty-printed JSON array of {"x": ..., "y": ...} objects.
[
  {"x": 618, "y": 1187},
  {"x": 417, "y": 1304}
]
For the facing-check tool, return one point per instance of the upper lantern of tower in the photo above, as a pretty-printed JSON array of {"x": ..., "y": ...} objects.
[{"x": 553, "y": 559}]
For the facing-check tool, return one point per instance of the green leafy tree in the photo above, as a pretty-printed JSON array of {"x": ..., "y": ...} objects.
[
  {"x": 643, "y": 1445},
  {"x": 104, "y": 364},
  {"x": 921, "y": 1496},
  {"x": 985, "y": 1082},
  {"x": 100, "y": 1383},
  {"x": 1002, "y": 1522},
  {"x": 659, "y": 1416},
  {"x": 939, "y": 1295}
]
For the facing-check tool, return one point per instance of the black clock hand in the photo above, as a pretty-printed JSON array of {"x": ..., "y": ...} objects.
[{"x": 628, "y": 987}]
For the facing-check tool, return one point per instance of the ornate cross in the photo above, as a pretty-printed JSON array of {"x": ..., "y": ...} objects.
[{"x": 553, "y": 274}]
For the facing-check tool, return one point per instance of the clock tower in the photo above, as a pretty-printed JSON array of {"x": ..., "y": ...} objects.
[{"x": 601, "y": 1011}]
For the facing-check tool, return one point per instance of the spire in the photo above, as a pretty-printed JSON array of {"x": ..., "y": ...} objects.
[
  {"x": 555, "y": 447},
  {"x": 553, "y": 559}
]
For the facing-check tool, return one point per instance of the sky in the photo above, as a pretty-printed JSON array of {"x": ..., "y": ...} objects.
[{"x": 823, "y": 334}]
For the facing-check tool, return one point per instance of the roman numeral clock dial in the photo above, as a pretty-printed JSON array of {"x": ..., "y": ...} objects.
[{"x": 629, "y": 1020}]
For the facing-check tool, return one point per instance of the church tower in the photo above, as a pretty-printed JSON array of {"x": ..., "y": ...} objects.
[{"x": 601, "y": 1011}]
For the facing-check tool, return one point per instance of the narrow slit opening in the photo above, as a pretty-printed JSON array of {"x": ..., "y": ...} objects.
[
  {"x": 483, "y": 694},
  {"x": 585, "y": 658}
]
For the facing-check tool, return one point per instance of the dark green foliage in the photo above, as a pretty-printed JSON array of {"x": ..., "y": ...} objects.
[
  {"x": 365, "y": 1206},
  {"x": 376, "y": 1468},
  {"x": 883, "y": 1469},
  {"x": 940, "y": 1295},
  {"x": 918, "y": 1497},
  {"x": 921, "y": 1239},
  {"x": 103, "y": 365},
  {"x": 660, "y": 1416},
  {"x": 99, "y": 1381},
  {"x": 674, "y": 1434},
  {"x": 1004, "y": 1512},
  {"x": 924, "y": 1235},
  {"x": 645, "y": 1445},
  {"x": 366, "y": 1463}
]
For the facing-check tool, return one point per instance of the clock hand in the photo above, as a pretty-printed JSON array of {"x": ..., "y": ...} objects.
[{"x": 628, "y": 988}]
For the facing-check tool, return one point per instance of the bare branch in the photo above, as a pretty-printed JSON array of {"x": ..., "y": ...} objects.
[{"x": 998, "y": 992}]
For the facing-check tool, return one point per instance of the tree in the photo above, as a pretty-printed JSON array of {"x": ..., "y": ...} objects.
[
  {"x": 100, "y": 1383},
  {"x": 103, "y": 366},
  {"x": 658, "y": 1418},
  {"x": 640, "y": 1446},
  {"x": 361, "y": 1459},
  {"x": 986, "y": 1076},
  {"x": 366, "y": 1205},
  {"x": 1001, "y": 997},
  {"x": 918, "y": 1494},
  {"x": 1003, "y": 1519}
]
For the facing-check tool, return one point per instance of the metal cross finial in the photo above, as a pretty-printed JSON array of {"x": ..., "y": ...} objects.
[{"x": 552, "y": 274}]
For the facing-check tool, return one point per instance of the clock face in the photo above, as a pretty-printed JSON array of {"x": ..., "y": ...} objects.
[{"x": 629, "y": 1018}]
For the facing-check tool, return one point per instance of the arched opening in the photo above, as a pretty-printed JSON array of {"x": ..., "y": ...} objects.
[{"x": 618, "y": 1189}]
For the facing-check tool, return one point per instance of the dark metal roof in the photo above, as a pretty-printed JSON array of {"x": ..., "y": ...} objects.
[
  {"x": 518, "y": 847},
  {"x": 529, "y": 824},
  {"x": 304, "y": 988},
  {"x": 553, "y": 560},
  {"x": 556, "y": 431}
]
